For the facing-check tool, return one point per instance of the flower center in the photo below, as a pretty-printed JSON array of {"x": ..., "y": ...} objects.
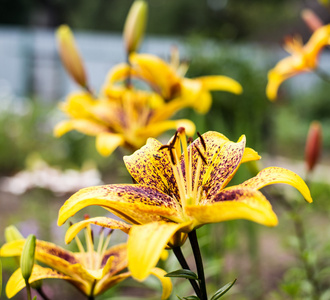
[
  {"x": 187, "y": 171},
  {"x": 92, "y": 256}
]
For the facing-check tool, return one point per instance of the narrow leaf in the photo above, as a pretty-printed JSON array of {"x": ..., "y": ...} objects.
[
  {"x": 189, "y": 298},
  {"x": 219, "y": 293},
  {"x": 183, "y": 273}
]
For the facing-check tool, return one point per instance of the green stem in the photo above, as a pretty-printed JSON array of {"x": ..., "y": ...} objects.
[
  {"x": 28, "y": 290},
  {"x": 301, "y": 235},
  {"x": 310, "y": 272},
  {"x": 199, "y": 263},
  {"x": 179, "y": 255}
]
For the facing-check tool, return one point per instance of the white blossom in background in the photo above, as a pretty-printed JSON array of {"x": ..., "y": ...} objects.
[{"x": 41, "y": 175}]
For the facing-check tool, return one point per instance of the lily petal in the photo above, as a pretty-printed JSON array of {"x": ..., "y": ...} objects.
[
  {"x": 220, "y": 83},
  {"x": 273, "y": 175},
  {"x": 155, "y": 71},
  {"x": 83, "y": 125},
  {"x": 146, "y": 244},
  {"x": 52, "y": 255},
  {"x": 133, "y": 202},
  {"x": 250, "y": 155},
  {"x": 145, "y": 163},
  {"x": 234, "y": 203},
  {"x": 107, "y": 142},
  {"x": 109, "y": 281},
  {"x": 16, "y": 281},
  {"x": 165, "y": 281},
  {"x": 159, "y": 128},
  {"x": 118, "y": 254},
  {"x": 100, "y": 221},
  {"x": 223, "y": 165}
]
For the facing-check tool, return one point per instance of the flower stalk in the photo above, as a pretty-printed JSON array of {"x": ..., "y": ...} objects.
[
  {"x": 180, "y": 257},
  {"x": 199, "y": 263}
]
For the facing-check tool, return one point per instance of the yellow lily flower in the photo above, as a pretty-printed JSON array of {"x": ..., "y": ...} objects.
[
  {"x": 304, "y": 58},
  {"x": 180, "y": 187},
  {"x": 122, "y": 117},
  {"x": 168, "y": 81},
  {"x": 91, "y": 271},
  {"x": 119, "y": 116}
]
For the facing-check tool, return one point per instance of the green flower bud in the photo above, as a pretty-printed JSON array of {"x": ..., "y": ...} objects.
[
  {"x": 135, "y": 25},
  {"x": 12, "y": 234},
  {"x": 27, "y": 257},
  {"x": 70, "y": 55}
]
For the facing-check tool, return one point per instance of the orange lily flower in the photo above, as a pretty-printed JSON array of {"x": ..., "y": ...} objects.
[{"x": 304, "y": 58}]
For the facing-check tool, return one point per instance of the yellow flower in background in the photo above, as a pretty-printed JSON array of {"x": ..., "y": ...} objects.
[
  {"x": 304, "y": 58},
  {"x": 92, "y": 271},
  {"x": 121, "y": 117},
  {"x": 180, "y": 187},
  {"x": 168, "y": 81}
]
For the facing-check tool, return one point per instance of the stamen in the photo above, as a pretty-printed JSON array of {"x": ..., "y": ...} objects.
[
  {"x": 190, "y": 140},
  {"x": 200, "y": 154},
  {"x": 202, "y": 140},
  {"x": 106, "y": 244},
  {"x": 99, "y": 248}
]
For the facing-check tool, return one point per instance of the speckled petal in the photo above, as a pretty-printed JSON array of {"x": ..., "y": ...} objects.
[
  {"x": 273, "y": 175},
  {"x": 16, "y": 282},
  {"x": 223, "y": 157},
  {"x": 119, "y": 262},
  {"x": 213, "y": 141},
  {"x": 151, "y": 166},
  {"x": 234, "y": 203},
  {"x": 52, "y": 255},
  {"x": 146, "y": 244},
  {"x": 134, "y": 203},
  {"x": 165, "y": 281},
  {"x": 100, "y": 221},
  {"x": 224, "y": 166}
]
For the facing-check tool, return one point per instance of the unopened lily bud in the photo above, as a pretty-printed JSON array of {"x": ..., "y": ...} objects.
[
  {"x": 12, "y": 234},
  {"x": 135, "y": 25},
  {"x": 311, "y": 19},
  {"x": 27, "y": 256},
  {"x": 70, "y": 55},
  {"x": 313, "y": 145}
]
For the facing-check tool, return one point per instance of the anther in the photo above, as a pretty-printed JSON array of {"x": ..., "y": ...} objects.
[
  {"x": 110, "y": 232},
  {"x": 181, "y": 130},
  {"x": 190, "y": 140},
  {"x": 201, "y": 155},
  {"x": 202, "y": 140}
]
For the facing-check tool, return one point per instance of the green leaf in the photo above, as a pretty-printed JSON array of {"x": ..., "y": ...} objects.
[
  {"x": 219, "y": 293},
  {"x": 189, "y": 298},
  {"x": 183, "y": 273}
]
